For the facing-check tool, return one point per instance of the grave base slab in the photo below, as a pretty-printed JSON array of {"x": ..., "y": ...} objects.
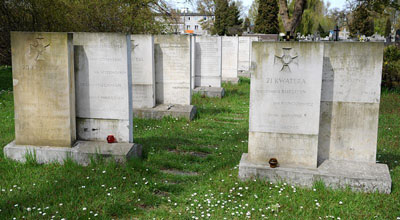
[
  {"x": 359, "y": 176},
  {"x": 82, "y": 152},
  {"x": 176, "y": 111},
  {"x": 210, "y": 91},
  {"x": 231, "y": 80}
]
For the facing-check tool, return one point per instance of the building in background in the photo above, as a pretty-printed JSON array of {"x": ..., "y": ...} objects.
[{"x": 190, "y": 23}]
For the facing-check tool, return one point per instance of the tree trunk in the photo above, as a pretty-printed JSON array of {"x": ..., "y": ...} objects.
[{"x": 290, "y": 23}]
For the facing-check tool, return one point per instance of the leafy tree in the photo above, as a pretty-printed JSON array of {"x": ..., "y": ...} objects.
[
  {"x": 227, "y": 18},
  {"x": 76, "y": 15},
  {"x": 361, "y": 22},
  {"x": 267, "y": 17},
  {"x": 246, "y": 24},
  {"x": 206, "y": 7},
  {"x": 221, "y": 14},
  {"x": 322, "y": 32},
  {"x": 234, "y": 22},
  {"x": 291, "y": 21},
  {"x": 253, "y": 11}
]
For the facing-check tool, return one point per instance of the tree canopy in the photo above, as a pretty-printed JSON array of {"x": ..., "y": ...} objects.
[
  {"x": 130, "y": 16},
  {"x": 267, "y": 17}
]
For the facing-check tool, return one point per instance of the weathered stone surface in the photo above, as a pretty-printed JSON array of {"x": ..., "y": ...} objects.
[
  {"x": 359, "y": 176},
  {"x": 210, "y": 91},
  {"x": 173, "y": 69},
  {"x": 285, "y": 103},
  {"x": 82, "y": 152},
  {"x": 103, "y": 85},
  {"x": 244, "y": 53},
  {"x": 230, "y": 51},
  {"x": 193, "y": 61},
  {"x": 91, "y": 129},
  {"x": 163, "y": 110},
  {"x": 208, "y": 61},
  {"x": 350, "y": 101},
  {"x": 143, "y": 71},
  {"x": 44, "y": 92},
  {"x": 352, "y": 72}
]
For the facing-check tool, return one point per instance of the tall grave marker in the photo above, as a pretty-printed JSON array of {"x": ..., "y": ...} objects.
[
  {"x": 230, "y": 51},
  {"x": 333, "y": 141},
  {"x": 143, "y": 71},
  {"x": 208, "y": 66},
  {"x": 285, "y": 103},
  {"x": 173, "y": 77},
  {"x": 102, "y": 70},
  {"x": 44, "y": 96}
]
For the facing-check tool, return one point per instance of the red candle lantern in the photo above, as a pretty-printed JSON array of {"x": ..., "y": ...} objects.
[{"x": 110, "y": 139}]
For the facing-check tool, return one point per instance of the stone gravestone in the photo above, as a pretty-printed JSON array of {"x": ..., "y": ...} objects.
[
  {"x": 244, "y": 54},
  {"x": 284, "y": 114},
  {"x": 44, "y": 95},
  {"x": 44, "y": 92},
  {"x": 285, "y": 103},
  {"x": 350, "y": 111},
  {"x": 173, "y": 71},
  {"x": 104, "y": 96},
  {"x": 230, "y": 51},
  {"x": 143, "y": 71},
  {"x": 193, "y": 61},
  {"x": 208, "y": 66}
]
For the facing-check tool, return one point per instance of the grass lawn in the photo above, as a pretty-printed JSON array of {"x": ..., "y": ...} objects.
[{"x": 206, "y": 151}]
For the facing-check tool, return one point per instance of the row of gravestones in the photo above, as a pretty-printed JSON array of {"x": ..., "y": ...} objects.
[
  {"x": 168, "y": 69},
  {"x": 313, "y": 106},
  {"x": 314, "y": 110},
  {"x": 87, "y": 86}
]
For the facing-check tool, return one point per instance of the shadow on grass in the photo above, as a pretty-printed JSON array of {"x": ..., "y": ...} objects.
[
  {"x": 390, "y": 160},
  {"x": 6, "y": 78}
]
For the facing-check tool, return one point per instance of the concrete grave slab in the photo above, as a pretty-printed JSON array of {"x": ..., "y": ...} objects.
[
  {"x": 82, "y": 152},
  {"x": 164, "y": 110}
]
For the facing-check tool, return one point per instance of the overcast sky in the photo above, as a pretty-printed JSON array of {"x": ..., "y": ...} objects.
[{"x": 180, "y": 3}]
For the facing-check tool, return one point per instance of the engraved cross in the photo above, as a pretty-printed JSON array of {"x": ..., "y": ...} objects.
[
  {"x": 286, "y": 59},
  {"x": 40, "y": 47}
]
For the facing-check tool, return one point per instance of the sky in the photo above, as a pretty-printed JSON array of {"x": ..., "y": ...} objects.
[{"x": 180, "y": 3}]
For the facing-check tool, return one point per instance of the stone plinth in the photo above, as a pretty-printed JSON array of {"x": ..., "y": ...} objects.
[
  {"x": 164, "y": 110},
  {"x": 82, "y": 152},
  {"x": 210, "y": 91},
  {"x": 359, "y": 176},
  {"x": 44, "y": 92}
]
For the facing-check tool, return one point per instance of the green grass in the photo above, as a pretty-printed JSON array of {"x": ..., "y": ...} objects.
[{"x": 210, "y": 146}]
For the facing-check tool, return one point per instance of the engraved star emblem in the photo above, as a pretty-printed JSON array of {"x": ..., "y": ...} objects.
[
  {"x": 286, "y": 59},
  {"x": 39, "y": 47}
]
